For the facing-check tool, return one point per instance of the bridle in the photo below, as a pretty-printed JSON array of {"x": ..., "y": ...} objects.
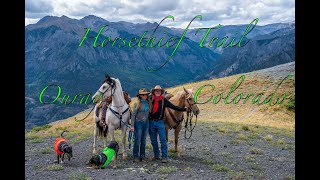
[
  {"x": 111, "y": 85},
  {"x": 190, "y": 104}
]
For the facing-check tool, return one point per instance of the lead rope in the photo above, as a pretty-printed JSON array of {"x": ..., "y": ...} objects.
[
  {"x": 130, "y": 138},
  {"x": 189, "y": 118}
]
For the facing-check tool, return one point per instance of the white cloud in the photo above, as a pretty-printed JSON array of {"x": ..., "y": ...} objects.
[
  {"x": 138, "y": 11},
  {"x": 30, "y": 21}
]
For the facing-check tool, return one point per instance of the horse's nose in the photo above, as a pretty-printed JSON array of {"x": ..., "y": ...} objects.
[{"x": 197, "y": 112}]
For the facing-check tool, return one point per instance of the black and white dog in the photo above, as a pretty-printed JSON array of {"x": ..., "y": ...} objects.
[
  {"x": 108, "y": 154},
  {"x": 62, "y": 147}
]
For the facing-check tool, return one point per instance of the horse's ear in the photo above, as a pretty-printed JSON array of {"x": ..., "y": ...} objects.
[
  {"x": 185, "y": 90},
  {"x": 108, "y": 77},
  {"x": 192, "y": 89}
]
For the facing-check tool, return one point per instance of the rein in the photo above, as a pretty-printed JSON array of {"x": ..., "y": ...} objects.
[
  {"x": 102, "y": 93},
  {"x": 175, "y": 119},
  {"x": 188, "y": 120}
]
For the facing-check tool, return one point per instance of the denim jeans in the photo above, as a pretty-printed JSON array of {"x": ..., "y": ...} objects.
[
  {"x": 157, "y": 127},
  {"x": 140, "y": 133}
]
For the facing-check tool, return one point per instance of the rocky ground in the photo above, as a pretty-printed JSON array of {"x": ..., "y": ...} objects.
[{"x": 215, "y": 151}]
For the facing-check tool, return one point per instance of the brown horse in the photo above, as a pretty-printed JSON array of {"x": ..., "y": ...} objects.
[{"x": 173, "y": 119}]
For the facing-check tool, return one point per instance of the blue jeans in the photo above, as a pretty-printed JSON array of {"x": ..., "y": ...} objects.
[
  {"x": 157, "y": 127},
  {"x": 140, "y": 134}
]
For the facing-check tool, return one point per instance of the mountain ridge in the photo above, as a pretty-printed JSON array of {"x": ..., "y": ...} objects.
[{"x": 53, "y": 56}]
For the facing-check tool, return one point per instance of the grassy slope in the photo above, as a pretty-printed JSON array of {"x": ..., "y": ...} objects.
[{"x": 230, "y": 115}]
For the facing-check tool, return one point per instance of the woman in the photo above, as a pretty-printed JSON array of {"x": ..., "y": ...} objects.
[
  {"x": 156, "y": 126},
  {"x": 140, "y": 124}
]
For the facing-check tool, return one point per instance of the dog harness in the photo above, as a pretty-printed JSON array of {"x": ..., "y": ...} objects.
[
  {"x": 57, "y": 143},
  {"x": 110, "y": 153}
]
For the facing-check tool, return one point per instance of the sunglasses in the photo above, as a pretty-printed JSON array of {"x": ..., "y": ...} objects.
[{"x": 143, "y": 95}]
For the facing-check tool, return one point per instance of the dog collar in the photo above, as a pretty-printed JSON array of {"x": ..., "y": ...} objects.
[{"x": 100, "y": 158}]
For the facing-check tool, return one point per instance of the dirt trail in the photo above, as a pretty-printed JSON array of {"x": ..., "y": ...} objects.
[{"x": 215, "y": 151}]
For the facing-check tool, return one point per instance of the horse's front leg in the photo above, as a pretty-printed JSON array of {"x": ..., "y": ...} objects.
[
  {"x": 94, "y": 138},
  {"x": 124, "y": 134},
  {"x": 105, "y": 139},
  {"x": 111, "y": 130},
  {"x": 176, "y": 138},
  {"x": 167, "y": 129}
]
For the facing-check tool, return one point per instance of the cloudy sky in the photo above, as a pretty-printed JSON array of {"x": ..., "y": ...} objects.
[{"x": 138, "y": 11}]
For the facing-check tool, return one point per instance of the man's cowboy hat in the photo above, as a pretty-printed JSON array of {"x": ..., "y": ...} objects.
[
  {"x": 142, "y": 91},
  {"x": 157, "y": 87}
]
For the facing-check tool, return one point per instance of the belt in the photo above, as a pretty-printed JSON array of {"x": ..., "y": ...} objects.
[{"x": 156, "y": 119}]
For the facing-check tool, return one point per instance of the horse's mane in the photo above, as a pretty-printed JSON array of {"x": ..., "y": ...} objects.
[
  {"x": 118, "y": 85},
  {"x": 177, "y": 96}
]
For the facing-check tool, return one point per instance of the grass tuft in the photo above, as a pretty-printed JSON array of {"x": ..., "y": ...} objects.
[
  {"x": 245, "y": 128},
  {"x": 166, "y": 169},
  {"x": 219, "y": 168},
  {"x": 242, "y": 137},
  {"x": 46, "y": 150},
  {"x": 37, "y": 140},
  {"x": 55, "y": 167},
  {"x": 281, "y": 142},
  {"x": 268, "y": 138},
  {"x": 40, "y": 128},
  {"x": 256, "y": 151},
  {"x": 78, "y": 176}
]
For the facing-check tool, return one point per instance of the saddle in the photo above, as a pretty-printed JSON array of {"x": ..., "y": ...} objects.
[{"x": 103, "y": 106}]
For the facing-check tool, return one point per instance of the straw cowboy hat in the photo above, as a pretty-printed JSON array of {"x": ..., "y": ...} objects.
[
  {"x": 157, "y": 87},
  {"x": 142, "y": 91}
]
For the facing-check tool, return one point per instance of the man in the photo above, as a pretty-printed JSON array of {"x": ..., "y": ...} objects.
[{"x": 156, "y": 123}]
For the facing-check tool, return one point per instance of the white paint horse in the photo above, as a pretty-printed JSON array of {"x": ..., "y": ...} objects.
[{"x": 117, "y": 114}]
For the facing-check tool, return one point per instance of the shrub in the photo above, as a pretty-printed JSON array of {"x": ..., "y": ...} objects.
[{"x": 291, "y": 105}]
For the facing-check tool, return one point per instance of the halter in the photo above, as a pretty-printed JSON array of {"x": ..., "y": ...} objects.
[
  {"x": 189, "y": 102},
  {"x": 111, "y": 85}
]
